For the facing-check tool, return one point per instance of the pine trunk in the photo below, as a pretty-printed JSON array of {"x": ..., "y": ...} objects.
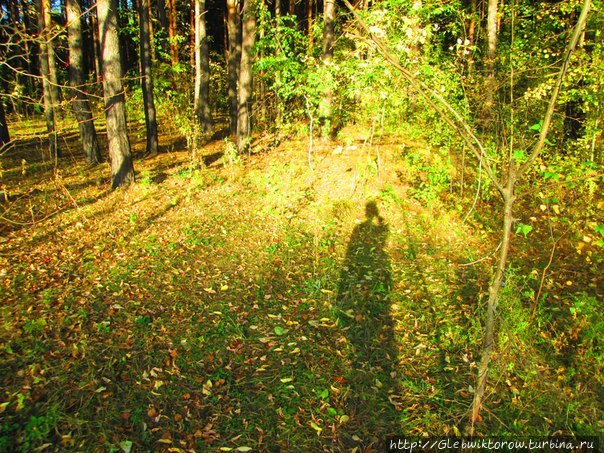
[
  {"x": 172, "y": 31},
  {"x": 329, "y": 22},
  {"x": 309, "y": 20},
  {"x": 52, "y": 59},
  {"x": 4, "y": 135},
  {"x": 244, "y": 109},
  {"x": 490, "y": 63},
  {"x": 147, "y": 78},
  {"x": 122, "y": 170},
  {"x": 234, "y": 57},
  {"x": 81, "y": 106},
  {"x": 202, "y": 69},
  {"x": 49, "y": 102},
  {"x": 96, "y": 45}
]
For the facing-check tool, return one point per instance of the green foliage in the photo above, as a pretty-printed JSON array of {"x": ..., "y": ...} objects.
[
  {"x": 600, "y": 230},
  {"x": 430, "y": 171},
  {"x": 298, "y": 78},
  {"x": 146, "y": 179},
  {"x": 524, "y": 229},
  {"x": 34, "y": 327},
  {"x": 588, "y": 330},
  {"x": 282, "y": 63}
]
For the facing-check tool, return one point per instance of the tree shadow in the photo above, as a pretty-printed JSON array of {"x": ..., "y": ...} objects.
[{"x": 363, "y": 312}]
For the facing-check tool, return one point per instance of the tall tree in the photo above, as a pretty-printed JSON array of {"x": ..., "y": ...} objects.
[
  {"x": 491, "y": 60},
  {"x": 96, "y": 45},
  {"x": 329, "y": 23},
  {"x": 49, "y": 100},
  {"x": 147, "y": 78},
  {"x": 278, "y": 9},
  {"x": 233, "y": 60},
  {"x": 81, "y": 106},
  {"x": 172, "y": 31},
  {"x": 52, "y": 59},
  {"x": 309, "y": 20},
  {"x": 4, "y": 135},
  {"x": 244, "y": 109},
  {"x": 202, "y": 69},
  {"x": 122, "y": 169}
]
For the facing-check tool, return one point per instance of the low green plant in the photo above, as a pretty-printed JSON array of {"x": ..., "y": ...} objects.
[
  {"x": 146, "y": 179},
  {"x": 34, "y": 327},
  {"x": 431, "y": 172}
]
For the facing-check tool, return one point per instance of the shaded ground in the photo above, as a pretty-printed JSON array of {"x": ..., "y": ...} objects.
[{"x": 259, "y": 305}]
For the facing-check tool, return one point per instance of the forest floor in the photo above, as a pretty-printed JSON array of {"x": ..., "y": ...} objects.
[{"x": 267, "y": 304}]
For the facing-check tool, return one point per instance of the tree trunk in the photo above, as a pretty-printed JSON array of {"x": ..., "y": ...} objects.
[
  {"x": 192, "y": 36},
  {"x": 490, "y": 63},
  {"x": 122, "y": 170},
  {"x": 309, "y": 20},
  {"x": 234, "y": 58},
  {"x": 329, "y": 17},
  {"x": 147, "y": 78},
  {"x": 277, "y": 9},
  {"x": 52, "y": 60},
  {"x": 162, "y": 18},
  {"x": 494, "y": 288},
  {"x": 96, "y": 45},
  {"x": 151, "y": 32},
  {"x": 329, "y": 21},
  {"x": 81, "y": 106},
  {"x": 202, "y": 69},
  {"x": 172, "y": 31},
  {"x": 4, "y": 135},
  {"x": 49, "y": 102},
  {"x": 244, "y": 110}
]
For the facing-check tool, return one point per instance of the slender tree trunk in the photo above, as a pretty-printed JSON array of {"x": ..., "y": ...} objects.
[
  {"x": 18, "y": 16},
  {"x": 192, "y": 34},
  {"x": 81, "y": 106},
  {"x": 472, "y": 24},
  {"x": 172, "y": 31},
  {"x": 329, "y": 21},
  {"x": 309, "y": 20},
  {"x": 96, "y": 44},
  {"x": 491, "y": 62},
  {"x": 147, "y": 78},
  {"x": 122, "y": 169},
  {"x": 202, "y": 69},
  {"x": 329, "y": 30},
  {"x": 234, "y": 58},
  {"x": 4, "y": 135},
  {"x": 151, "y": 32},
  {"x": 277, "y": 9},
  {"x": 292, "y": 7},
  {"x": 49, "y": 102},
  {"x": 52, "y": 60},
  {"x": 244, "y": 110},
  {"x": 161, "y": 14},
  {"x": 494, "y": 288}
]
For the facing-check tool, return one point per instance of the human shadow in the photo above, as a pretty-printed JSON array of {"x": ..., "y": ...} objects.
[{"x": 363, "y": 312}]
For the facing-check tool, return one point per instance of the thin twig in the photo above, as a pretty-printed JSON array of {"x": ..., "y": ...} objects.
[
  {"x": 482, "y": 259},
  {"x": 477, "y": 193},
  {"x": 545, "y": 269}
]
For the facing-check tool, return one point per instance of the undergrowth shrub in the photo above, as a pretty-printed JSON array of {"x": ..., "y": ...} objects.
[
  {"x": 545, "y": 352},
  {"x": 430, "y": 172}
]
